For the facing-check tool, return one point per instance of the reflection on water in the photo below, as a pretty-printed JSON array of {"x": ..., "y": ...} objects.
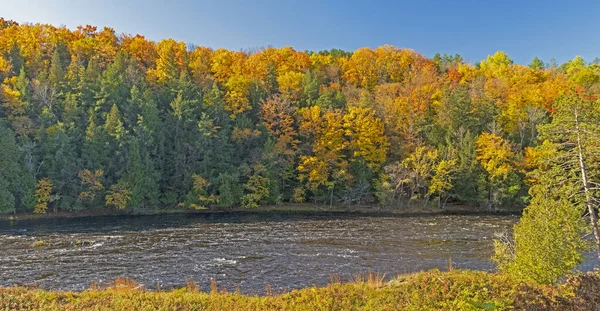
[{"x": 245, "y": 250}]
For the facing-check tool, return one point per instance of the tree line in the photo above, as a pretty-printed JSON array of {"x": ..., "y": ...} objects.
[{"x": 90, "y": 119}]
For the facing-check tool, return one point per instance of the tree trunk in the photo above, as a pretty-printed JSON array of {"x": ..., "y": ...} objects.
[
  {"x": 331, "y": 198},
  {"x": 444, "y": 204},
  {"x": 586, "y": 189}
]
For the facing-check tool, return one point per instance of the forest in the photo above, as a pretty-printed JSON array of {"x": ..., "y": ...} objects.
[{"x": 90, "y": 119}]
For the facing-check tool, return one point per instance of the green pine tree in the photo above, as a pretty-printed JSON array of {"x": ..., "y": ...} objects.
[{"x": 113, "y": 125}]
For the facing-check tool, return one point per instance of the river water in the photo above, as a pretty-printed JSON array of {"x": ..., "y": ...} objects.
[{"x": 242, "y": 251}]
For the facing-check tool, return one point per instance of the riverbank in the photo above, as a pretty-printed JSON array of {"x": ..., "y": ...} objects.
[
  {"x": 415, "y": 209},
  {"x": 433, "y": 290}
]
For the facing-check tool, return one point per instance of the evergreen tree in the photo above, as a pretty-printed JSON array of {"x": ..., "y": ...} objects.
[
  {"x": 15, "y": 58},
  {"x": 62, "y": 164},
  {"x": 16, "y": 184},
  {"x": 536, "y": 63},
  {"x": 7, "y": 199},
  {"x": 548, "y": 240},
  {"x": 230, "y": 193},
  {"x": 141, "y": 177},
  {"x": 113, "y": 125},
  {"x": 56, "y": 76},
  {"x": 112, "y": 87}
]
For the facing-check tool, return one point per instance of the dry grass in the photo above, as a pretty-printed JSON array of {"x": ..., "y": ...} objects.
[
  {"x": 126, "y": 285},
  {"x": 192, "y": 286},
  {"x": 372, "y": 279},
  {"x": 213, "y": 286}
]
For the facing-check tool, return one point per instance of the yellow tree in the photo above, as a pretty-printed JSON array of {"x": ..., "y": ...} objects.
[
  {"x": 366, "y": 134},
  {"x": 367, "y": 68},
  {"x": 90, "y": 44},
  {"x": 225, "y": 63},
  {"x": 237, "y": 96},
  {"x": 290, "y": 84},
  {"x": 143, "y": 50},
  {"x": 92, "y": 184},
  {"x": 118, "y": 196},
  {"x": 441, "y": 181},
  {"x": 327, "y": 165},
  {"x": 498, "y": 159},
  {"x": 43, "y": 196},
  {"x": 421, "y": 163},
  {"x": 200, "y": 63},
  {"x": 404, "y": 106},
  {"x": 4, "y": 66},
  {"x": 361, "y": 70},
  {"x": 170, "y": 62}
]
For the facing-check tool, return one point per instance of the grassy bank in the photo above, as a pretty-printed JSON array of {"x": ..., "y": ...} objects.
[
  {"x": 416, "y": 209},
  {"x": 433, "y": 290}
]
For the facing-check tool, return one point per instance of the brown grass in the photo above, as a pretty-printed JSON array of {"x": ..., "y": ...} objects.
[
  {"x": 371, "y": 278},
  {"x": 192, "y": 286}
]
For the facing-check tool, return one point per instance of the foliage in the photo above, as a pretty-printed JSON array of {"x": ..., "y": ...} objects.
[
  {"x": 106, "y": 120},
  {"x": 200, "y": 196},
  {"x": 441, "y": 181},
  {"x": 383, "y": 125},
  {"x": 118, "y": 196},
  {"x": 497, "y": 158},
  {"x": 257, "y": 187},
  {"x": 43, "y": 195},
  {"x": 548, "y": 240},
  {"x": 91, "y": 181}
]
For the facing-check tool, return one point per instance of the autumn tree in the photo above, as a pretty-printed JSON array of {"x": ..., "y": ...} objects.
[
  {"x": 497, "y": 158},
  {"x": 327, "y": 165},
  {"x": 118, "y": 196},
  {"x": 442, "y": 181},
  {"x": 277, "y": 114},
  {"x": 420, "y": 166},
  {"x": 91, "y": 184},
  {"x": 142, "y": 124},
  {"x": 43, "y": 196},
  {"x": 367, "y": 140},
  {"x": 200, "y": 197}
]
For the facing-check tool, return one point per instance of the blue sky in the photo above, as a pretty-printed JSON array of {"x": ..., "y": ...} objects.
[{"x": 473, "y": 28}]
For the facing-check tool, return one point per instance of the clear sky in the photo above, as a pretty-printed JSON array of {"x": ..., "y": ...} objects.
[{"x": 473, "y": 28}]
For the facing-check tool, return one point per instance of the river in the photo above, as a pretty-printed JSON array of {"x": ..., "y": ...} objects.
[{"x": 240, "y": 251}]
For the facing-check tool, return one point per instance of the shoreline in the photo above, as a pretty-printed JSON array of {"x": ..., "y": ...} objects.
[{"x": 307, "y": 209}]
